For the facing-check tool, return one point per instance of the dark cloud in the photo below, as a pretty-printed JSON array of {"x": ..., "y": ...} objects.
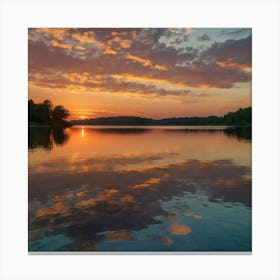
[
  {"x": 238, "y": 51},
  {"x": 204, "y": 37},
  {"x": 114, "y": 85},
  {"x": 103, "y": 83},
  {"x": 235, "y": 32},
  {"x": 167, "y": 55}
]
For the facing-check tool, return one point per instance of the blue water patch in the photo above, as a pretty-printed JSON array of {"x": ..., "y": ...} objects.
[
  {"x": 52, "y": 243},
  {"x": 190, "y": 226}
]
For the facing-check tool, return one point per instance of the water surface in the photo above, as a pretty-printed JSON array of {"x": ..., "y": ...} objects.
[{"x": 139, "y": 189}]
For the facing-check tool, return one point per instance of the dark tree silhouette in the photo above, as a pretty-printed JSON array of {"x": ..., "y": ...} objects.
[
  {"x": 59, "y": 114},
  {"x": 31, "y": 110},
  {"x": 44, "y": 113},
  {"x": 242, "y": 117}
]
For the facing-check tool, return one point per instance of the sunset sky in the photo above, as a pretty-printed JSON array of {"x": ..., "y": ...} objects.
[{"x": 154, "y": 72}]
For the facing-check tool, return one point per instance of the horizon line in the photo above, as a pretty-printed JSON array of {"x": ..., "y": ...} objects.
[{"x": 150, "y": 118}]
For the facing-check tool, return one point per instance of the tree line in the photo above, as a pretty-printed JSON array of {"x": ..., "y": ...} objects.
[
  {"x": 46, "y": 114},
  {"x": 242, "y": 117}
]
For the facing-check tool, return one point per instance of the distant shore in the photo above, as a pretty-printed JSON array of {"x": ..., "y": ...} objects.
[
  {"x": 163, "y": 125},
  {"x": 241, "y": 117}
]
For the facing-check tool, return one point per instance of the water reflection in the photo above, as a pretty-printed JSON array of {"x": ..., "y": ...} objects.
[
  {"x": 239, "y": 132},
  {"x": 45, "y": 137},
  {"x": 154, "y": 200},
  {"x": 123, "y": 130}
]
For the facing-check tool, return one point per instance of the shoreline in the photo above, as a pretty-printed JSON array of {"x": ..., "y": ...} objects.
[{"x": 139, "y": 126}]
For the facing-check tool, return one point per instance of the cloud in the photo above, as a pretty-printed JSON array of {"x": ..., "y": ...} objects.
[
  {"x": 142, "y": 52},
  {"x": 204, "y": 37},
  {"x": 60, "y": 45},
  {"x": 142, "y": 61},
  {"x": 123, "y": 86},
  {"x": 235, "y": 51},
  {"x": 146, "y": 62},
  {"x": 235, "y": 31},
  {"x": 49, "y": 33},
  {"x": 161, "y": 67},
  {"x": 79, "y": 48},
  {"x": 147, "y": 183},
  {"x": 106, "y": 83},
  {"x": 84, "y": 37},
  {"x": 109, "y": 51}
]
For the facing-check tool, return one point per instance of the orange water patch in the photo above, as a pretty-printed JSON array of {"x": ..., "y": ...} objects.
[
  {"x": 148, "y": 183},
  {"x": 63, "y": 197},
  {"x": 127, "y": 198},
  {"x": 107, "y": 194},
  {"x": 119, "y": 235},
  {"x": 57, "y": 208},
  {"x": 79, "y": 194},
  {"x": 179, "y": 229},
  {"x": 195, "y": 216},
  {"x": 169, "y": 214}
]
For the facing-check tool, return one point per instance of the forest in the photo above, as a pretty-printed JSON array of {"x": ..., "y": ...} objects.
[
  {"x": 46, "y": 113},
  {"x": 241, "y": 117}
]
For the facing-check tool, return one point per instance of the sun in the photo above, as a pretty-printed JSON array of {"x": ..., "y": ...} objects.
[{"x": 82, "y": 117}]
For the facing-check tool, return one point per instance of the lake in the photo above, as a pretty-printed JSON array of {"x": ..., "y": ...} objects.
[{"x": 139, "y": 189}]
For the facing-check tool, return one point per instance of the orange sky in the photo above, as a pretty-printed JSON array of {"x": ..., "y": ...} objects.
[{"x": 156, "y": 73}]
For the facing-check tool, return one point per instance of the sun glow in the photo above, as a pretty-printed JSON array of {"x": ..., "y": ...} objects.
[{"x": 146, "y": 72}]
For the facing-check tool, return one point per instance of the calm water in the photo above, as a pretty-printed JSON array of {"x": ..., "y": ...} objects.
[{"x": 144, "y": 189}]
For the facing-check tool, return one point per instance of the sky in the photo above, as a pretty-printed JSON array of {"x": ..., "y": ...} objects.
[{"x": 147, "y": 72}]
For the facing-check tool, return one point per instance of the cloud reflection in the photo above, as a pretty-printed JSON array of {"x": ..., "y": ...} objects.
[
  {"x": 96, "y": 206},
  {"x": 178, "y": 229}
]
